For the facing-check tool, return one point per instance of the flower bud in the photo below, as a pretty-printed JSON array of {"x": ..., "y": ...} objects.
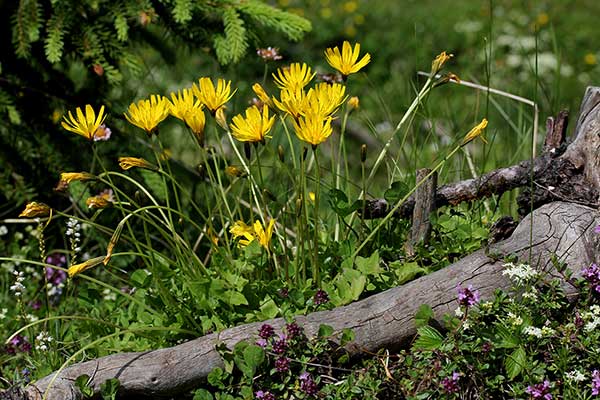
[
  {"x": 476, "y": 132},
  {"x": 439, "y": 62},
  {"x": 363, "y": 153},
  {"x": 353, "y": 103},
  {"x": 263, "y": 96},
  {"x": 35, "y": 209},
  {"x": 221, "y": 118},
  {"x": 79, "y": 268},
  {"x": 97, "y": 202},
  {"x": 280, "y": 153}
]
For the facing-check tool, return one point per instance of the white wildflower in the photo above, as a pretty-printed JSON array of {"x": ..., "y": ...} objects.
[
  {"x": 521, "y": 273},
  {"x": 43, "y": 340},
  {"x": 514, "y": 320},
  {"x": 3, "y": 313},
  {"x": 533, "y": 331},
  {"x": 458, "y": 312},
  {"x": 575, "y": 376},
  {"x": 109, "y": 295},
  {"x": 466, "y": 325},
  {"x": 3, "y": 230}
]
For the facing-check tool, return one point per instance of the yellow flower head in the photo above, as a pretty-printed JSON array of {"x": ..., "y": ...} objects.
[
  {"x": 147, "y": 114},
  {"x": 213, "y": 98},
  {"x": 294, "y": 77},
  {"x": 129, "y": 162},
  {"x": 79, "y": 268},
  {"x": 254, "y": 127},
  {"x": 439, "y": 62},
  {"x": 234, "y": 172},
  {"x": 313, "y": 128},
  {"x": 84, "y": 125},
  {"x": 292, "y": 102},
  {"x": 69, "y": 177},
  {"x": 35, "y": 209},
  {"x": 181, "y": 103},
  {"x": 264, "y": 235},
  {"x": 325, "y": 98},
  {"x": 99, "y": 201},
  {"x": 346, "y": 61},
  {"x": 262, "y": 95},
  {"x": 240, "y": 230},
  {"x": 353, "y": 103},
  {"x": 196, "y": 120},
  {"x": 476, "y": 132}
]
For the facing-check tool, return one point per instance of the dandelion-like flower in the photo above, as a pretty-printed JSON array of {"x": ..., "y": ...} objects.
[
  {"x": 294, "y": 77},
  {"x": 476, "y": 132},
  {"x": 346, "y": 61},
  {"x": 264, "y": 235},
  {"x": 185, "y": 107},
  {"x": 35, "y": 209},
  {"x": 254, "y": 127},
  {"x": 325, "y": 98},
  {"x": 147, "y": 114},
  {"x": 240, "y": 230},
  {"x": 84, "y": 125},
  {"x": 213, "y": 98},
  {"x": 313, "y": 128},
  {"x": 248, "y": 234},
  {"x": 293, "y": 102}
]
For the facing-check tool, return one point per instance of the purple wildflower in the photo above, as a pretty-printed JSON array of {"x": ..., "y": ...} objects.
[
  {"x": 269, "y": 54},
  {"x": 592, "y": 275},
  {"x": 282, "y": 364},
  {"x": 321, "y": 297},
  {"x": 293, "y": 330},
  {"x": 284, "y": 293},
  {"x": 18, "y": 344},
  {"x": 596, "y": 382},
  {"x": 264, "y": 395},
  {"x": 540, "y": 390},
  {"x": 280, "y": 346},
  {"x": 450, "y": 384},
  {"x": 266, "y": 331},
  {"x": 262, "y": 343},
  {"x": 308, "y": 384},
  {"x": 597, "y": 229},
  {"x": 467, "y": 296},
  {"x": 486, "y": 347}
]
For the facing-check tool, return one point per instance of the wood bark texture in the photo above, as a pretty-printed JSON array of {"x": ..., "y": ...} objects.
[{"x": 559, "y": 229}]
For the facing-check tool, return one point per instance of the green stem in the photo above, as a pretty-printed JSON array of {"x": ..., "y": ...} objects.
[{"x": 316, "y": 267}]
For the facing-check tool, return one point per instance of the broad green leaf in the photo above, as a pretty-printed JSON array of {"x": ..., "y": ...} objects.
[
  {"x": 203, "y": 394},
  {"x": 369, "y": 266},
  {"x": 515, "y": 362},
  {"x": 428, "y": 338},
  {"x": 141, "y": 278},
  {"x": 269, "y": 309},
  {"x": 109, "y": 388},
  {"x": 234, "y": 298},
  {"x": 406, "y": 272},
  {"x": 423, "y": 316},
  {"x": 325, "y": 331},
  {"x": 396, "y": 192},
  {"x": 253, "y": 358},
  {"x": 347, "y": 336}
]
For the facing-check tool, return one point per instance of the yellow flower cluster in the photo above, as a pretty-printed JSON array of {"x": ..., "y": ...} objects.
[{"x": 247, "y": 234}]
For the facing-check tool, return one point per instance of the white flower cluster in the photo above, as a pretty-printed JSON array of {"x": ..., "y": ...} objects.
[
  {"x": 521, "y": 273},
  {"x": 539, "y": 332},
  {"x": 514, "y": 320},
  {"x": 531, "y": 295},
  {"x": 575, "y": 376},
  {"x": 3, "y": 230},
  {"x": 74, "y": 234},
  {"x": 18, "y": 288},
  {"x": 591, "y": 318},
  {"x": 43, "y": 340},
  {"x": 109, "y": 295},
  {"x": 3, "y": 313}
]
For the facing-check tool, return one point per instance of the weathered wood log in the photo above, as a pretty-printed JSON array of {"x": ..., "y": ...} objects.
[
  {"x": 424, "y": 205},
  {"x": 384, "y": 320},
  {"x": 568, "y": 174}
]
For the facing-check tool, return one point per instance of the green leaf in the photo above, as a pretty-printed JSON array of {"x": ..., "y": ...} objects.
[
  {"x": 505, "y": 338},
  {"x": 515, "y": 362},
  {"x": 234, "y": 298},
  {"x": 423, "y": 316},
  {"x": 141, "y": 278},
  {"x": 216, "y": 377},
  {"x": 253, "y": 357},
  {"x": 109, "y": 388},
  {"x": 347, "y": 336},
  {"x": 325, "y": 331},
  {"x": 369, "y": 266},
  {"x": 269, "y": 308},
  {"x": 406, "y": 272},
  {"x": 202, "y": 394},
  {"x": 154, "y": 182},
  {"x": 82, "y": 383},
  {"x": 428, "y": 338}
]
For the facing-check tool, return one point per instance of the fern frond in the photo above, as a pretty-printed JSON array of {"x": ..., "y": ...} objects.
[
  {"x": 233, "y": 45},
  {"x": 291, "y": 25},
  {"x": 54, "y": 43},
  {"x": 182, "y": 11}
]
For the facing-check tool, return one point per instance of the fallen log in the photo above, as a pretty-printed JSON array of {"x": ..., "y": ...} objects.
[{"x": 558, "y": 230}]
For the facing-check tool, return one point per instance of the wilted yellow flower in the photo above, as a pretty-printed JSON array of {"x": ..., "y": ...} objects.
[
  {"x": 35, "y": 209},
  {"x": 147, "y": 114},
  {"x": 292, "y": 102},
  {"x": 234, "y": 172},
  {"x": 325, "y": 98},
  {"x": 129, "y": 162},
  {"x": 69, "y": 177},
  {"x": 221, "y": 118},
  {"x": 262, "y": 95},
  {"x": 264, "y": 235},
  {"x": 476, "y": 132},
  {"x": 79, "y": 268},
  {"x": 353, "y": 103},
  {"x": 103, "y": 200},
  {"x": 346, "y": 60},
  {"x": 294, "y": 77},
  {"x": 439, "y": 62},
  {"x": 84, "y": 125},
  {"x": 313, "y": 128},
  {"x": 240, "y": 230},
  {"x": 213, "y": 98},
  {"x": 254, "y": 127}
]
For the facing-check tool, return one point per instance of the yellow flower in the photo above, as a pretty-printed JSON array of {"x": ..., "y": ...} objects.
[
  {"x": 476, "y": 132},
  {"x": 353, "y": 103},
  {"x": 221, "y": 118},
  {"x": 84, "y": 125},
  {"x": 240, "y": 230},
  {"x": 35, "y": 209},
  {"x": 129, "y": 162},
  {"x": 542, "y": 19},
  {"x": 325, "y": 98},
  {"x": 346, "y": 61},
  {"x": 264, "y": 236},
  {"x": 99, "y": 201},
  {"x": 262, "y": 95},
  {"x": 147, "y": 114},
  {"x": 292, "y": 102},
  {"x": 213, "y": 98},
  {"x": 254, "y": 127},
  {"x": 234, "y": 171},
  {"x": 313, "y": 128},
  {"x": 590, "y": 59},
  {"x": 181, "y": 103},
  {"x": 439, "y": 62},
  {"x": 69, "y": 177},
  {"x": 79, "y": 268},
  {"x": 294, "y": 77}
]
